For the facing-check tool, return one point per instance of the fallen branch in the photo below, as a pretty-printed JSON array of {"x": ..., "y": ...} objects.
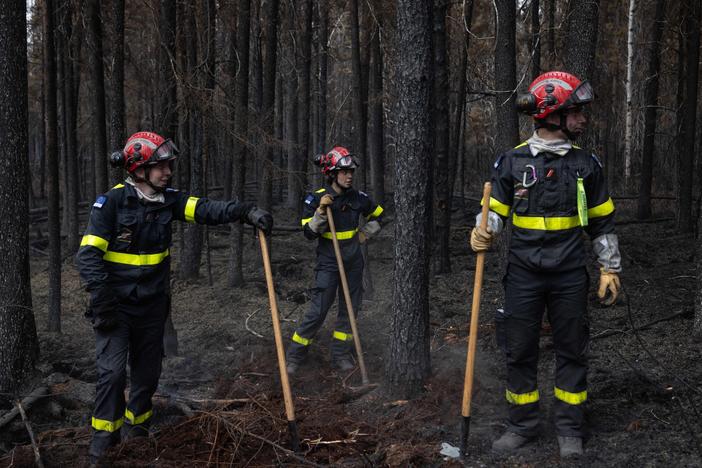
[
  {"x": 246, "y": 324},
  {"x": 35, "y": 448},
  {"x": 608, "y": 333},
  {"x": 26, "y": 402}
]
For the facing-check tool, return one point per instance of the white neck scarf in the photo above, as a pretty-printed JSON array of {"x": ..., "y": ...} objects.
[
  {"x": 157, "y": 197},
  {"x": 539, "y": 145}
]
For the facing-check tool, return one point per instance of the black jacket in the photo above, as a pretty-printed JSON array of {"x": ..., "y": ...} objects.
[
  {"x": 547, "y": 231},
  {"x": 126, "y": 245},
  {"x": 347, "y": 208}
]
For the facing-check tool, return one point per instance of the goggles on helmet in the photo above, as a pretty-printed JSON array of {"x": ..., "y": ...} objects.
[
  {"x": 347, "y": 162},
  {"x": 166, "y": 151},
  {"x": 583, "y": 94}
]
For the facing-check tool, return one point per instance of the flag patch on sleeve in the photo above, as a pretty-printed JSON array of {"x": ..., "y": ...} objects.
[
  {"x": 100, "y": 201},
  {"x": 309, "y": 199}
]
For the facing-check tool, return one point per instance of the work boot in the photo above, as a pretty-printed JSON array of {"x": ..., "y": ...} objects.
[
  {"x": 570, "y": 446},
  {"x": 344, "y": 365},
  {"x": 292, "y": 368},
  {"x": 509, "y": 442}
]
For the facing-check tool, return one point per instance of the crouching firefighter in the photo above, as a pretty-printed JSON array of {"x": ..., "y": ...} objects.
[
  {"x": 553, "y": 190},
  {"x": 124, "y": 263},
  {"x": 347, "y": 206}
]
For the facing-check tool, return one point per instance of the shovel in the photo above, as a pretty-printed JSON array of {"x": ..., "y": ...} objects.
[
  {"x": 287, "y": 395},
  {"x": 347, "y": 298},
  {"x": 473, "y": 335}
]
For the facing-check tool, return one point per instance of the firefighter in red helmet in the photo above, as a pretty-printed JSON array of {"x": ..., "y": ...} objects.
[
  {"x": 124, "y": 262},
  {"x": 347, "y": 206},
  {"x": 553, "y": 190}
]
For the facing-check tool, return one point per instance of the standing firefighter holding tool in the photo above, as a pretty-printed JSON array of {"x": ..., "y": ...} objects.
[
  {"x": 347, "y": 206},
  {"x": 124, "y": 263},
  {"x": 553, "y": 190}
]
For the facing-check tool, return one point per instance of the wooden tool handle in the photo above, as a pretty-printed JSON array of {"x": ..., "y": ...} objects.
[
  {"x": 287, "y": 394},
  {"x": 347, "y": 298},
  {"x": 475, "y": 310}
]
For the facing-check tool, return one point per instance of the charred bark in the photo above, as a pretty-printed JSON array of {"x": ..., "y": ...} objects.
[{"x": 98, "y": 100}]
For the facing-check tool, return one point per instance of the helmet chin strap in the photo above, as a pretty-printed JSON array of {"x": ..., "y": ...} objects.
[
  {"x": 562, "y": 126},
  {"x": 146, "y": 180}
]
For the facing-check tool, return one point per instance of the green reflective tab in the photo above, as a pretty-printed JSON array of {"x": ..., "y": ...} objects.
[{"x": 582, "y": 202}]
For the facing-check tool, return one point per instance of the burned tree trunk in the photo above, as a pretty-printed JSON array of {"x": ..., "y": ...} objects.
[
  {"x": 241, "y": 122},
  {"x": 686, "y": 157},
  {"x": 270, "y": 25},
  {"x": 52, "y": 156},
  {"x": 304, "y": 61},
  {"x": 650, "y": 102},
  {"x": 117, "y": 128},
  {"x": 98, "y": 101},
  {"x": 442, "y": 209},
  {"x": 376, "y": 150},
  {"x": 19, "y": 347},
  {"x": 535, "y": 39},
  {"x": 357, "y": 98},
  {"x": 581, "y": 41},
  {"x": 323, "y": 11},
  {"x": 291, "y": 115},
  {"x": 167, "y": 118},
  {"x": 507, "y": 121},
  {"x": 409, "y": 360}
]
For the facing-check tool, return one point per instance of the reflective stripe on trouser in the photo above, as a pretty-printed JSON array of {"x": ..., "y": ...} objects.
[
  {"x": 139, "y": 337},
  {"x": 564, "y": 295},
  {"x": 327, "y": 288}
]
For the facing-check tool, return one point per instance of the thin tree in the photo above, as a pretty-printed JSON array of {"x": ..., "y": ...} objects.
[
  {"x": 241, "y": 122},
  {"x": 291, "y": 115},
  {"x": 357, "y": 97},
  {"x": 304, "y": 63},
  {"x": 507, "y": 120},
  {"x": 270, "y": 25},
  {"x": 409, "y": 362},
  {"x": 117, "y": 126},
  {"x": 97, "y": 79},
  {"x": 376, "y": 150},
  {"x": 629, "y": 126},
  {"x": 650, "y": 114},
  {"x": 686, "y": 156},
  {"x": 323, "y": 13},
  {"x": 52, "y": 179},
  {"x": 167, "y": 117},
  {"x": 535, "y": 39},
  {"x": 19, "y": 346}
]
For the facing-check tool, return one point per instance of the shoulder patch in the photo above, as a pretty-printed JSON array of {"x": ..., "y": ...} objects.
[
  {"x": 498, "y": 161},
  {"x": 100, "y": 201},
  {"x": 597, "y": 160},
  {"x": 309, "y": 199}
]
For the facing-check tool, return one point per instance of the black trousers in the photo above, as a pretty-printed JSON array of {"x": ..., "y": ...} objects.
[
  {"x": 138, "y": 338},
  {"x": 327, "y": 287},
  {"x": 564, "y": 295}
]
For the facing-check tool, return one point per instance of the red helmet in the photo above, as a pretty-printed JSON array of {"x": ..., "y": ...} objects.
[
  {"x": 335, "y": 160},
  {"x": 554, "y": 91},
  {"x": 144, "y": 149}
]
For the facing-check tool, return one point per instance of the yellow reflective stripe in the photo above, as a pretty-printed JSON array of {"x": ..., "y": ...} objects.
[
  {"x": 342, "y": 336},
  {"x": 522, "y": 398},
  {"x": 498, "y": 207},
  {"x": 306, "y": 220},
  {"x": 303, "y": 341},
  {"x": 546, "y": 224},
  {"x": 570, "y": 398},
  {"x": 118, "y": 186},
  {"x": 94, "y": 241},
  {"x": 576, "y": 147},
  {"x": 135, "y": 259},
  {"x": 190, "y": 209},
  {"x": 137, "y": 419},
  {"x": 521, "y": 144},
  {"x": 604, "y": 209},
  {"x": 320, "y": 190},
  {"x": 342, "y": 235},
  {"x": 105, "y": 425},
  {"x": 377, "y": 212}
]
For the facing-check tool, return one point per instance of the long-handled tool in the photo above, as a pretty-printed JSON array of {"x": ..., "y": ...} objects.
[
  {"x": 347, "y": 298},
  {"x": 287, "y": 395},
  {"x": 473, "y": 336}
]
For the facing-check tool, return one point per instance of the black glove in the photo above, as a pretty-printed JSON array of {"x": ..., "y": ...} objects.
[
  {"x": 103, "y": 310},
  {"x": 260, "y": 219}
]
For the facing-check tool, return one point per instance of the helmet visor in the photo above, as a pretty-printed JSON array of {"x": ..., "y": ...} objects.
[
  {"x": 583, "y": 94},
  {"x": 347, "y": 162},
  {"x": 165, "y": 152}
]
